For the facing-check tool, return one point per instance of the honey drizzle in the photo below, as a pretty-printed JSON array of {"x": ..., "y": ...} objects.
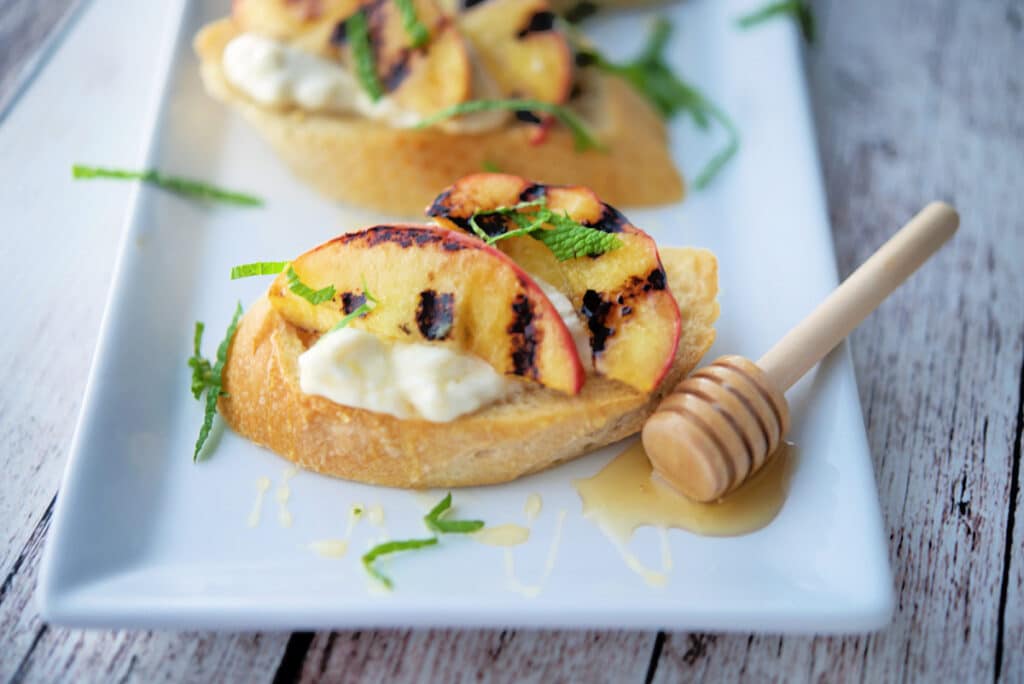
[{"x": 626, "y": 494}]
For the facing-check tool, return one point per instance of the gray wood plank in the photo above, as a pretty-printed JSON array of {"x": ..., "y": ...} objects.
[
  {"x": 26, "y": 26},
  {"x": 914, "y": 100},
  {"x": 1009, "y": 661},
  {"x": 478, "y": 655}
]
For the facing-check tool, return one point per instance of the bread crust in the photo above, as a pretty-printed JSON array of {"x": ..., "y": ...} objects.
[
  {"x": 531, "y": 431},
  {"x": 367, "y": 163}
]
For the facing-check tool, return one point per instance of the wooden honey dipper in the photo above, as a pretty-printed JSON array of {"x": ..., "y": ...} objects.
[{"x": 720, "y": 425}]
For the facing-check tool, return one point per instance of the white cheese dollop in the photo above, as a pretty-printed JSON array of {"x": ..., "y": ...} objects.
[
  {"x": 406, "y": 380},
  {"x": 278, "y": 75},
  {"x": 415, "y": 380}
]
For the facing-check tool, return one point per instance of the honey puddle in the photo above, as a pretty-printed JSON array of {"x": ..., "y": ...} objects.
[{"x": 626, "y": 495}]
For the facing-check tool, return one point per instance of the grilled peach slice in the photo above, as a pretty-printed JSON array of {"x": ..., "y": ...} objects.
[
  {"x": 519, "y": 46},
  {"x": 632, "y": 318},
  {"x": 436, "y": 285},
  {"x": 290, "y": 19},
  {"x": 419, "y": 79}
]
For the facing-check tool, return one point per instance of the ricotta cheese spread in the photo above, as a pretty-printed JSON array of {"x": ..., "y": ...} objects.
[
  {"x": 406, "y": 380},
  {"x": 276, "y": 74},
  {"x": 415, "y": 380}
]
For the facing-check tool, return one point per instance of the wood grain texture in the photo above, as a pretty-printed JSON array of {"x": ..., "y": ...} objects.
[
  {"x": 911, "y": 105},
  {"x": 25, "y": 28},
  {"x": 913, "y": 100},
  {"x": 480, "y": 655}
]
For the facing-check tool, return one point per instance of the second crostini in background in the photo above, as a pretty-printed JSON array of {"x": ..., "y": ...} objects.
[{"x": 379, "y": 104}]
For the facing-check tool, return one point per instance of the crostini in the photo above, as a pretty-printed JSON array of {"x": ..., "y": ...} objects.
[
  {"x": 379, "y": 103},
  {"x": 528, "y": 325}
]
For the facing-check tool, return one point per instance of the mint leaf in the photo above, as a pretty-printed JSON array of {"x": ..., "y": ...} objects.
[
  {"x": 258, "y": 268},
  {"x": 434, "y": 519},
  {"x": 800, "y": 10},
  {"x": 312, "y": 296},
  {"x": 176, "y": 184},
  {"x": 201, "y": 368},
  {"x": 391, "y": 547},
  {"x": 414, "y": 28},
  {"x": 357, "y": 32},
  {"x": 571, "y": 240},
  {"x": 566, "y": 238},
  {"x": 214, "y": 383}
]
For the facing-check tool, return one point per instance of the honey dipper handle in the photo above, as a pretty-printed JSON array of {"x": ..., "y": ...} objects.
[{"x": 860, "y": 294}]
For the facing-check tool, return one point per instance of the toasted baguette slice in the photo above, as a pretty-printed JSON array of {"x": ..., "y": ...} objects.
[
  {"x": 533, "y": 430},
  {"x": 364, "y": 162}
]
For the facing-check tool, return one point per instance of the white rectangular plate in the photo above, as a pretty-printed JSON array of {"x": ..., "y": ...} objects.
[{"x": 142, "y": 537}]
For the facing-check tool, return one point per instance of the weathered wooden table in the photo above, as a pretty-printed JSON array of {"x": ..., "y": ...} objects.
[{"x": 913, "y": 100}]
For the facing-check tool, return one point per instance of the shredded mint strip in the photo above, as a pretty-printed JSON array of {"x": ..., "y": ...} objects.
[
  {"x": 213, "y": 377},
  {"x": 490, "y": 167},
  {"x": 357, "y": 33},
  {"x": 435, "y": 519},
  {"x": 176, "y": 184},
  {"x": 312, "y": 296},
  {"x": 798, "y": 9},
  {"x": 201, "y": 368},
  {"x": 414, "y": 28},
  {"x": 391, "y": 547},
  {"x": 652, "y": 77},
  {"x": 258, "y": 268},
  {"x": 566, "y": 238},
  {"x": 583, "y": 139},
  {"x": 366, "y": 307},
  {"x": 295, "y": 284}
]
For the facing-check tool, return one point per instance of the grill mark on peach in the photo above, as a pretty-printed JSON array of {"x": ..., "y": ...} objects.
[
  {"x": 597, "y": 311},
  {"x": 435, "y": 314},
  {"x": 491, "y": 224},
  {"x": 391, "y": 73},
  {"x": 533, "y": 192},
  {"x": 407, "y": 237},
  {"x": 611, "y": 221},
  {"x": 525, "y": 338},
  {"x": 526, "y": 116},
  {"x": 339, "y": 34},
  {"x": 350, "y": 301},
  {"x": 469, "y": 4},
  {"x": 439, "y": 207},
  {"x": 541, "y": 21},
  {"x": 655, "y": 280},
  {"x": 459, "y": 211},
  {"x": 604, "y": 310}
]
